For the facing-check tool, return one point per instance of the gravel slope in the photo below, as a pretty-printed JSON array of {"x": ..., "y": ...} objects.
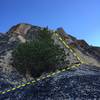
[{"x": 79, "y": 83}]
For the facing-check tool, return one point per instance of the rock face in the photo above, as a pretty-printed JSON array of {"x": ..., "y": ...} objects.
[
  {"x": 77, "y": 84},
  {"x": 81, "y": 83}
]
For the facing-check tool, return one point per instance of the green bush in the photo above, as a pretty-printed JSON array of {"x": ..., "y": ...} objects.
[{"x": 38, "y": 56}]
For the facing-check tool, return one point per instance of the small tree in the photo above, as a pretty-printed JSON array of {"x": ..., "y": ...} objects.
[{"x": 38, "y": 56}]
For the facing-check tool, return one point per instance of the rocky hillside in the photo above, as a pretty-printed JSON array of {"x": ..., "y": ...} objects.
[{"x": 82, "y": 82}]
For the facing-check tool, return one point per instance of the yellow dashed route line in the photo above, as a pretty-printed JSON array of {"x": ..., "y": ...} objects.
[
  {"x": 40, "y": 78},
  {"x": 69, "y": 48},
  {"x": 49, "y": 74}
]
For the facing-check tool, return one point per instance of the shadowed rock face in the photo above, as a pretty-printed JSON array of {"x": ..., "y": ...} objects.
[
  {"x": 82, "y": 82},
  {"x": 66, "y": 85}
]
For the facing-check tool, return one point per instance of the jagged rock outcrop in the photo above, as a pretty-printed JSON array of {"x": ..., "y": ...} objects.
[{"x": 82, "y": 82}]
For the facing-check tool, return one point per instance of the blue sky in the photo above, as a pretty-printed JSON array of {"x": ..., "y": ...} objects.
[{"x": 80, "y": 18}]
